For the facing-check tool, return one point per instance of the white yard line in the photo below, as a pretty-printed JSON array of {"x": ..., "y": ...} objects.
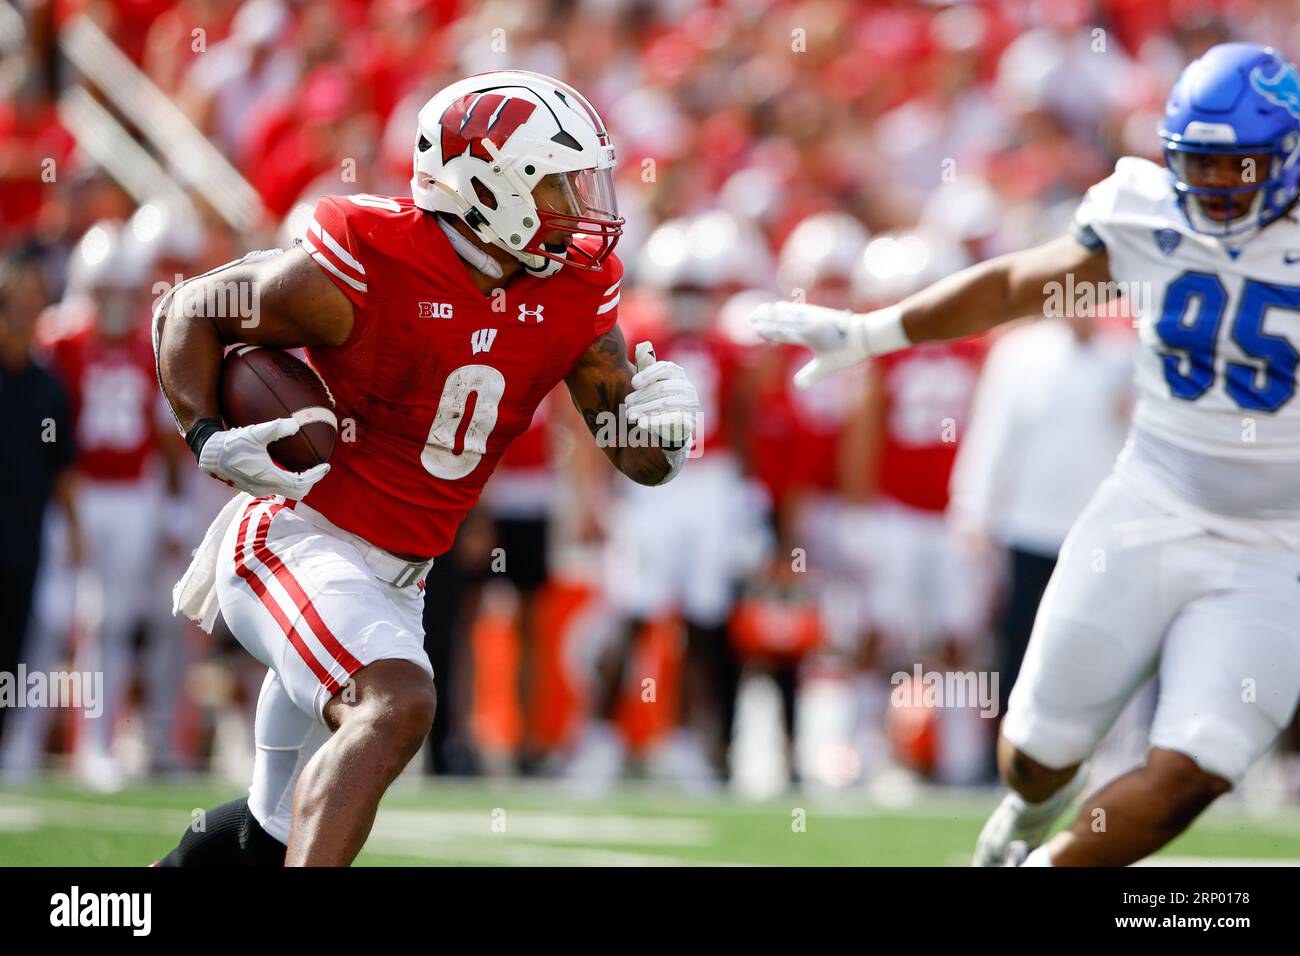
[
  {"x": 545, "y": 827},
  {"x": 459, "y": 836}
]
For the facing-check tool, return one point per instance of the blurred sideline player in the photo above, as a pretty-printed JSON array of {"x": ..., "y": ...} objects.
[
  {"x": 1186, "y": 559},
  {"x": 34, "y": 472},
  {"x": 438, "y": 323},
  {"x": 807, "y": 489},
  {"x": 901, "y": 441},
  {"x": 102, "y": 353},
  {"x": 674, "y": 550},
  {"x": 519, "y": 501},
  {"x": 915, "y": 415}
]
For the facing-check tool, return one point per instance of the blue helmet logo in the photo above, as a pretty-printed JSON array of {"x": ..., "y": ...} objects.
[{"x": 1281, "y": 90}]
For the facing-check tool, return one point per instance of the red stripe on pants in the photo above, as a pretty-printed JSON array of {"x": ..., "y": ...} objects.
[{"x": 259, "y": 588}]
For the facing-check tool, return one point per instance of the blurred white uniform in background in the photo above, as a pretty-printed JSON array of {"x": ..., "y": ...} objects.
[
  {"x": 1049, "y": 416},
  {"x": 677, "y": 546}
]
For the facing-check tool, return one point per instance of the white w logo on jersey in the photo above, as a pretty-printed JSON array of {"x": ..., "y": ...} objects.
[{"x": 481, "y": 340}]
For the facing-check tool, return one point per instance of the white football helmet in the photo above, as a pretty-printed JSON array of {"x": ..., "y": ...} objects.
[
  {"x": 485, "y": 143},
  {"x": 823, "y": 248},
  {"x": 109, "y": 271},
  {"x": 106, "y": 257},
  {"x": 895, "y": 265},
  {"x": 711, "y": 251},
  {"x": 167, "y": 229}
]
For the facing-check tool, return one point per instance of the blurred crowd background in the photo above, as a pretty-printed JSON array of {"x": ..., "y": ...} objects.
[{"x": 765, "y": 618}]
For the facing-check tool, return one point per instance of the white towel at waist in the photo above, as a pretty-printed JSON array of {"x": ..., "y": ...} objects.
[{"x": 195, "y": 594}]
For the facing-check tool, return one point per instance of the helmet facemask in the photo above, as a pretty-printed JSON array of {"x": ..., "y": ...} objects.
[
  {"x": 525, "y": 161},
  {"x": 1248, "y": 186},
  {"x": 572, "y": 205}
]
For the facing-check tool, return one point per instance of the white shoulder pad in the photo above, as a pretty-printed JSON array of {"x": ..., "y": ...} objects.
[{"x": 1138, "y": 193}]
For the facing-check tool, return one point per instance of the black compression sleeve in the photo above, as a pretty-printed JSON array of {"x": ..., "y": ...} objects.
[{"x": 230, "y": 837}]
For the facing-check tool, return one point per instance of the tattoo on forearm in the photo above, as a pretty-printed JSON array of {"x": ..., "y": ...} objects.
[{"x": 605, "y": 419}]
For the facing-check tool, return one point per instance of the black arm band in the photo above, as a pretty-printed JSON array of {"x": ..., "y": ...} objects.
[{"x": 200, "y": 432}]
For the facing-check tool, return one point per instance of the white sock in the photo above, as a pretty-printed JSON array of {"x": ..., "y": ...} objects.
[{"x": 1039, "y": 857}]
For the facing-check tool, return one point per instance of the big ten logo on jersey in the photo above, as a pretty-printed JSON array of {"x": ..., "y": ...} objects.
[
  {"x": 435, "y": 310},
  {"x": 114, "y": 407},
  {"x": 928, "y": 393}
]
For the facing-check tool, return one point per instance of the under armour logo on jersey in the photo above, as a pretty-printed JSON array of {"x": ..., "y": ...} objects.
[
  {"x": 435, "y": 310},
  {"x": 1168, "y": 240},
  {"x": 525, "y": 312},
  {"x": 482, "y": 340}
]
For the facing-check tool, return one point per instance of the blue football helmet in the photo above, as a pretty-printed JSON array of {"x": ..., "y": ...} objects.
[{"x": 1238, "y": 99}]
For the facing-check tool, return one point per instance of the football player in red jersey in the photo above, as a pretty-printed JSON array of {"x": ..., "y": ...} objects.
[
  {"x": 679, "y": 550},
  {"x": 127, "y": 472},
  {"x": 438, "y": 323},
  {"x": 910, "y": 424}
]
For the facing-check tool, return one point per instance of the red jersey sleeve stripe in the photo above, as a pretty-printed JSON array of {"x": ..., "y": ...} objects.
[
  {"x": 342, "y": 255},
  {"x": 323, "y": 260}
]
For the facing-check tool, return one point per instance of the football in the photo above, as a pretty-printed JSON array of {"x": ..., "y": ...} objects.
[{"x": 259, "y": 384}]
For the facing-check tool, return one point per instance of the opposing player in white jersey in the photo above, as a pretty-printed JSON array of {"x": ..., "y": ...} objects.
[{"x": 1187, "y": 560}]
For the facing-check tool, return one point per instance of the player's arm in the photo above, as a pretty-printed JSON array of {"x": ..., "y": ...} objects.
[
  {"x": 965, "y": 303},
  {"x": 613, "y": 396},
  {"x": 293, "y": 304}
]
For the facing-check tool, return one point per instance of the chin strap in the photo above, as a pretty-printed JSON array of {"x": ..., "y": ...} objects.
[
  {"x": 548, "y": 267},
  {"x": 471, "y": 253}
]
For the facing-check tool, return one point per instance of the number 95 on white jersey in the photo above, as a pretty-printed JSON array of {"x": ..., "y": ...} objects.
[{"x": 1219, "y": 328}]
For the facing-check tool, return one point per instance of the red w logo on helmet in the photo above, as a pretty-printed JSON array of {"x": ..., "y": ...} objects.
[{"x": 475, "y": 115}]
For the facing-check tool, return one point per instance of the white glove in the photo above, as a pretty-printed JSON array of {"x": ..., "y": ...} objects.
[
  {"x": 662, "y": 401},
  {"x": 238, "y": 456},
  {"x": 839, "y": 338}
]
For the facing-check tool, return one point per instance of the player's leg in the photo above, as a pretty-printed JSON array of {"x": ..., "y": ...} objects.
[
  {"x": 377, "y": 730},
  {"x": 120, "y": 545},
  {"x": 526, "y": 543},
  {"x": 348, "y": 651},
  {"x": 711, "y": 522},
  {"x": 49, "y": 628},
  {"x": 253, "y": 830},
  {"x": 1229, "y": 681},
  {"x": 1096, "y": 638},
  {"x": 637, "y": 577}
]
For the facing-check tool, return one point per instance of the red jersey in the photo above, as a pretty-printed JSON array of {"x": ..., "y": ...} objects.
[
  {"x": 115, "y": 405},
  {"x": 927, "y": 396},
  {"x": 532, "y": 449},
  {"x": 797, "y": 432},
  {"x": 711, "y": 363},
  {"x": 436, "y": 379}
]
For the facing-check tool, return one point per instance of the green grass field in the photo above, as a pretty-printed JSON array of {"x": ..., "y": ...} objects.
[{"x": 452, "y": 823}]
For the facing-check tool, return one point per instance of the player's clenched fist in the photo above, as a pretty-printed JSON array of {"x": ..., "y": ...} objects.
[
  {"x": 662, "y": 401},
  {"x": 239, "y": 457},
  {"x": 839, "y": 338}
]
